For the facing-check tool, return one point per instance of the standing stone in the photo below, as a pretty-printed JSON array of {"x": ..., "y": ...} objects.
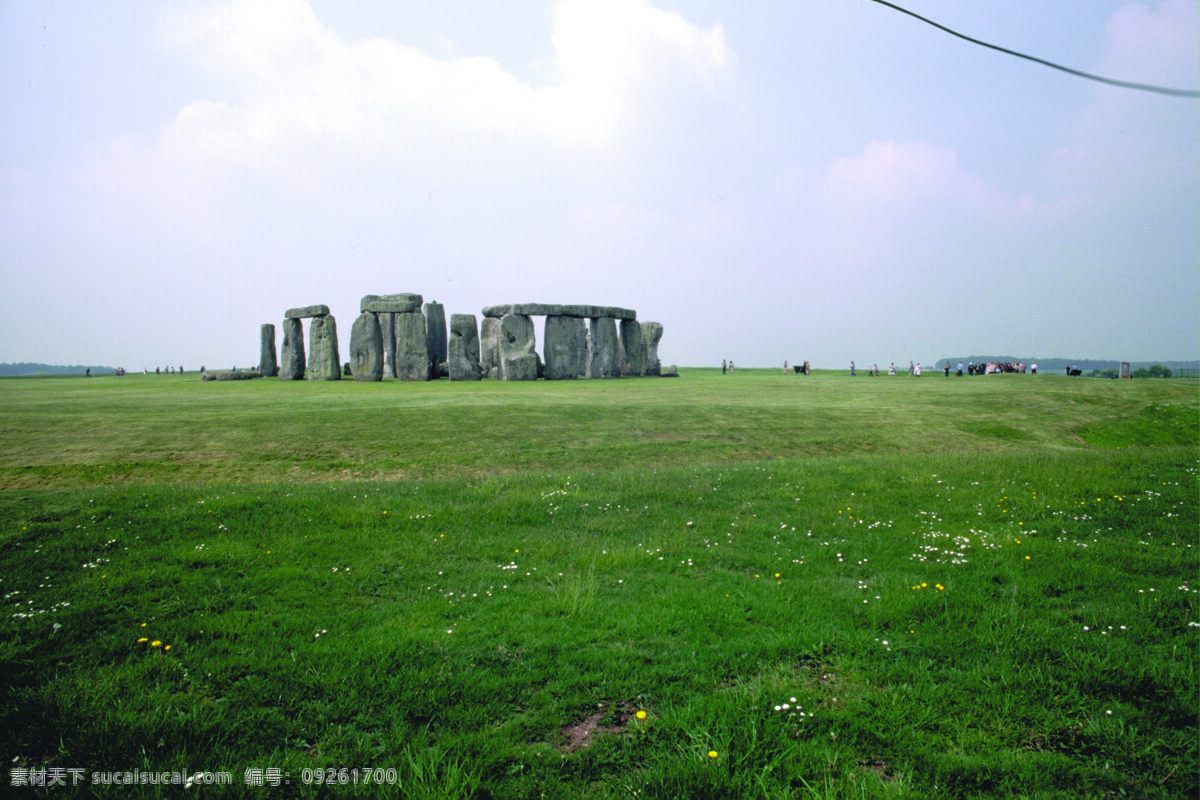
[
  {"x": 291, "y": 355},
  {"x": 412, "y": 354},
  {"x": 489, "y": 346},
  {"x": 565, "y": 345},
  {"x": 462, "y": 359},
  {"x": 603, "y": 360},
  {"x": 633, "y": 358},
  {"x": 268, "y": 366},
  {"x": 435, "y": 336},
  {"x": 651, "y": 334},
  {"x": 518, "y": 360},
  {"x": 366, "y": 348},
  {"x": 324, "y": 364}
]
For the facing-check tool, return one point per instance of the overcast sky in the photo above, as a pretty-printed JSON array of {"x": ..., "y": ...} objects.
[{"x": 819, "y": 179}]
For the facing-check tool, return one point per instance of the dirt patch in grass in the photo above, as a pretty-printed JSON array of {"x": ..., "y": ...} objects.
[{"x": 593, "y": 726}]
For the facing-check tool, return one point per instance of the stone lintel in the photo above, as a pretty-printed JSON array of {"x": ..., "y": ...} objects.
[
  {"x": 306, "y": 311},
  {"x": 405, "y": 303},
  {"x": 560, "y": 310}
]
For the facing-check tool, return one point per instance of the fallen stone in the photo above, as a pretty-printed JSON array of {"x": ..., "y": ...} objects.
[{"x": 229, "y": 375}]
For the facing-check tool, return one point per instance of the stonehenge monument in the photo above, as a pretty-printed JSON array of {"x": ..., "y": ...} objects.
[{"x": 396, "y": 336}]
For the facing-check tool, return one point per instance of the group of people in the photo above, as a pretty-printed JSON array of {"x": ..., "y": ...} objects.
[
  {"x": 990, "y": 367},
  {"x": 914, "y": 369}
]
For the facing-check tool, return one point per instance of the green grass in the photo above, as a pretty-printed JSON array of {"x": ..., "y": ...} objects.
[{"x": 976, "y": 587}]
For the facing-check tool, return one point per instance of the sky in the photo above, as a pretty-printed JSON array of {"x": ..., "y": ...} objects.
[{"x": 822, "y": 180}]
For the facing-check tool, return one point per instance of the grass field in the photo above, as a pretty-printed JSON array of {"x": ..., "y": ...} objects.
[{"x": 757, "y": 585}]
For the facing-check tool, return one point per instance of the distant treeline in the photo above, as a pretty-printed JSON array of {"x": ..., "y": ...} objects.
[
  {"x": 13, "y": 370},
  {"x": 1059, "y": 364}
]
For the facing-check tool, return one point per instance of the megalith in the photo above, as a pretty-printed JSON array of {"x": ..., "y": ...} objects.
[
  {"x": 565, "y": 346},
  {"x": 603, "y": 359},
  {"x": 489, "y": 346},
  {"x": 518, "y": 359},
  {"x": 291, "y": 354},
  {"x": 268, "y": 366},
  {"x": 366, "y": 348},
  {"x": 462, "y": 359},
  {"x": 435, "y": 336},
  {"x": 412, "y": 353},
  {"x": 324, "y": 364},
  {"x": 633, "y": 359},
  {"x": 651, "y": 334},
  {"x": 304, "y": 312}
]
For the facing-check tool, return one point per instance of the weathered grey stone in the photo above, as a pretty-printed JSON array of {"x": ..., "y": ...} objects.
[
  {"x": 268, "y": 365},
  {"x": 435, "y": 336},
  {"x": 412, "y": 354},
  {"x": 291, "y": 354},
  {"x": 229, "y": 375},
  {"x": 387, "y": 331},
  {"x": 565, "y": 344},
  {"x": 324, "y": 364},
  {"x": 366, "y": 348},
  {"x": 603, "y": 358},
  {"x": 391, "y": 303},
  {"x": 518, "y": 359},
  {"x": 306, "y": 311},
  {"x": 651, "y": 334},
  {"x": 559, "y": 310},
  {"x": 489, "y": 346},
  {"x": 633, "y": 358},
  {"x": 462, "y": 359}
]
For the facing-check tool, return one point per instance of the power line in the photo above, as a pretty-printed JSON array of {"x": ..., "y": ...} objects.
[{"x": 1123, "y": 84}]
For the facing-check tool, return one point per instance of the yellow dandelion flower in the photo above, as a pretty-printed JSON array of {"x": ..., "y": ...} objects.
[
  {"x": 156, "y": 643},
  {"x": 712, "y": 754},
  {"x": 1026, "y": 558},
  {"x": 641, "y": 715},
  {"x": 143, "y": 639},
  {"x": 940, "y": 587},
  {"x": 168, "y": 647}
]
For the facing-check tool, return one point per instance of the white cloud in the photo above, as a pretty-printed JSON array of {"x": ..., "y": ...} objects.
[
  {"x": 297, "y": 80},
  {"x": 1131, "y": 144},
  {"x": 895, "y": 178}
]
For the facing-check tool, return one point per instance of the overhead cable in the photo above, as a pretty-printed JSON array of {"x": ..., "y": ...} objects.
[{"x": 1144, "y": 87}]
